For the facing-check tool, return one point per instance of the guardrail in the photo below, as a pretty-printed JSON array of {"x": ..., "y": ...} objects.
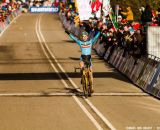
[{"x": 143, "y": 72}]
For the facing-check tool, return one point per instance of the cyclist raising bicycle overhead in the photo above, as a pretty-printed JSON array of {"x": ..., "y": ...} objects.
[{"x": 86, "y": 46}]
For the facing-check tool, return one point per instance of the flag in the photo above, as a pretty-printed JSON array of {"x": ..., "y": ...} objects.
[
  {"x": 106, "y": 7},
  {"x": 76, "y": 6},
  {"x": 95, "y": 5},
  {"x": 113, "y": 18},
  {"x": 76, "y": 20}
]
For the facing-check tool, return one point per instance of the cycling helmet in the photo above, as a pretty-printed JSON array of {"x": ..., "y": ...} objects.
[{"x": 84, "y": 33}]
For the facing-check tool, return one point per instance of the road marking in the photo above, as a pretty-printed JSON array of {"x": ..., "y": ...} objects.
[
  {"x": 105, "y": 120},
  {"x": 120, "y": 94},
  {"x": 66, "y": 94},
  {"x": 36, "y": 94},
  {"x": 97, "y": 125}
]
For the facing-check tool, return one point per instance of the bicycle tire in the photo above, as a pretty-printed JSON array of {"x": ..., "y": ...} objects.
[
  {"x": 89, "y": 85},
  {"x": 85, "y": 85}
]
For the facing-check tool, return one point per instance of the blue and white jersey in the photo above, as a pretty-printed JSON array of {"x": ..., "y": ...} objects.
[{"x": 85, "y": 47}]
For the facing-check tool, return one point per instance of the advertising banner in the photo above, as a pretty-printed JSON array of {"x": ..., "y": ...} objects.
[
  {"x": 107, "y": 53},
  {"x": 44, "y": 9},
  {"x": 137, "y": 70},
  {"x": 154, "y": 86},
  {"x": 113, "y": 56},
  {"x": 121, "y": 66},
  {"x": 147, "y": 76}
]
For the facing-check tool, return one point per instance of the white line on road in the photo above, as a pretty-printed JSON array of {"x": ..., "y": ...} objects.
[
  {"x": 105, "y": 120},
  {"x": 66, "y": 94},
  {"x": 39, "y": 34}
]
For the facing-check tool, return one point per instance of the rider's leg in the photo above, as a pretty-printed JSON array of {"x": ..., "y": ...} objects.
[
  {"x": 81, "y": 68},
  {"x": 81, "y": 64}
]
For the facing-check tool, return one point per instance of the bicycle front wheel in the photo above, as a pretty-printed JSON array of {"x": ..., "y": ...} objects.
[
  {"x": 85, "y": 85},
  {"x": 90, "y": 83}
]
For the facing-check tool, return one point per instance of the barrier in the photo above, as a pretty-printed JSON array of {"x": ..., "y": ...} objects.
[
  {"x": 118, "y": 54},
  {"x": 123, "y": 61},
  {"x": 130, "y": 67},
  {"x": 154, "y": 86},
  {"x": 119, "y": 60},
  {"x": 158, "y": 95},
  {"x": 125, "y": 68},
  {"x": 111, "y": 60},
  {"x": 101, "y": 49},
  {"x": 147, "y": 74},
  {"x": 137, "y": 69},
  {"x": 106, "y": 56}
]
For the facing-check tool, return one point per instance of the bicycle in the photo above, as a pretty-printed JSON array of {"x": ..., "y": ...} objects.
[{"x": 86, "y": 79}]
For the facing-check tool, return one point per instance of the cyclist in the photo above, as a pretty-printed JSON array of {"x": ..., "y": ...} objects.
[{"x": 86, "y": 46}]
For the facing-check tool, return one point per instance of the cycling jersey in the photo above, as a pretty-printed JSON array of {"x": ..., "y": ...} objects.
[{"x": 85, "y": 46}]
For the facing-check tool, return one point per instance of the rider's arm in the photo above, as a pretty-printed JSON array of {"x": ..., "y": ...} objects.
[
  {"x": 95, "y": 38},
  {"x": 75, "y": 39}
]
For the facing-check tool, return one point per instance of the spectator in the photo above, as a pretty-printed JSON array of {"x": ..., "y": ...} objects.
[
  {"x": 159, "y": 15},
  {"x": 119, "y": 20},
  {"x": 135, "y": 25},
  {"x": 120, "y": 10},
  {"x": 138, "y": 44},
  {"x": 128, "y": 14},
  {"x": 148, "y": 15},
  {"x": 142, "y": 16}
]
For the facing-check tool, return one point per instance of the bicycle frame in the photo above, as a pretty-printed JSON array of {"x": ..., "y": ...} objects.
[{"x": 86, "y": 80}]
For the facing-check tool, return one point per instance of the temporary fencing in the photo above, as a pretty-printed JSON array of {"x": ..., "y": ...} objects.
[
  {"x": 119, "y": 60},
  {"x": 147, "y": 74},
  {"x": 154, "y": 85},
  {"x": 137, "y": 70},
  {"x": 107, "y": 54},
  {"x": 112, "y": 58},
  {"x": 100, "y": 49},
  {"x": 143, "y": 72}
]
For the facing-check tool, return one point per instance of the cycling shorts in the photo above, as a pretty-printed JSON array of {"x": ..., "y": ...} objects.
[{"x": 86, "y": 58}]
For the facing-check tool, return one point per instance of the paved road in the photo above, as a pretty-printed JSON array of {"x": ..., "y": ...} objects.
[{"x": 36, "y": 95}]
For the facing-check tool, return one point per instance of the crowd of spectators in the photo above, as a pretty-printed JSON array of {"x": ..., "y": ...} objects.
[
  {"x": 129, "y": 35},
  {"x": 6, "y": 8}
]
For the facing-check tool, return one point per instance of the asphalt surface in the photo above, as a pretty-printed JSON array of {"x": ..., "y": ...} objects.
[{"x": 35, "y": 96}]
